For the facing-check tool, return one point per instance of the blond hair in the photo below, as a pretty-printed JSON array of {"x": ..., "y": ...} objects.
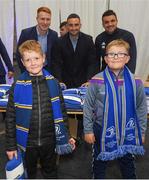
[
  {"x": 120, "y": 43},
  {"x": 44, "y": 9},
  {"x": 30, "y": 45}
]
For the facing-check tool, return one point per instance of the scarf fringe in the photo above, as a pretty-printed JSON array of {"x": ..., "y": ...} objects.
[
  {"x": 64, "y": 149},
  {"x": 120, "y": 152}
]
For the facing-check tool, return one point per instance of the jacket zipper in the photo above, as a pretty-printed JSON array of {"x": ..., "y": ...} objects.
[{"x": 39, "y": 112}]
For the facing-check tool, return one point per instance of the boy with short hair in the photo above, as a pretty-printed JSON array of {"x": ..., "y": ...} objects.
[
  {"x": 35, "y": 115},
  {"x": 115, "y": 113}
]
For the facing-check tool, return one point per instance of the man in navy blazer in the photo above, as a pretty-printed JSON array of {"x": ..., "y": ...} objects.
[
  {"x": 74, "y": 56},
  {"x": 5, "y": 58},
  {"x": 42, "y": 33}
]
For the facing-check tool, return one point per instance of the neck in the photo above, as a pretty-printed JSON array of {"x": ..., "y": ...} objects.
[
  {"x": 74, "y": 36},
  {"x": 41, "y": 32}
]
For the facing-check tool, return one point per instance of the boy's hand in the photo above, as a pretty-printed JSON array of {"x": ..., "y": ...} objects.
[
  {"x": 72, "y": 142},
  {"x": 11, "y": 154},
  {"x": 89, "y": 138},
  {"x": 143, "y": 139}
]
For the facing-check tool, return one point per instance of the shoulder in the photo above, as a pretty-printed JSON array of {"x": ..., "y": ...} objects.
[
  {"x": 125, "y": 32},
  {"x": 138, "y": 80},
  {"x": 29, "y": 30},
  {"x": 100, "y": 36},
  {"x": 85, "y": 36},
  {"x": 97, "y": 79},
  {"x": 51, "y": 31}
]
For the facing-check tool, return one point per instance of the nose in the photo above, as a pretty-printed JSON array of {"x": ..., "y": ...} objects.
[
  {"x": 33, "y": 61},
  {"x": 115, "y": 56}
]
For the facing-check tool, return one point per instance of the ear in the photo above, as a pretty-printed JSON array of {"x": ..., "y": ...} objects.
[
  {"x": 128, "y": 58},
  {"x": 44, "y": 58},
  {"x": 22, "y": 62},
  {"x": 106, "y": 60}
]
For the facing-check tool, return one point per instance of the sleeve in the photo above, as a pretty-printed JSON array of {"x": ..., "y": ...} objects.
[
  {"x": 141, "y": 107},
  {"x": 88, "y": 109},
  {"x": 98, "y": 52},
  {"x": 133, "y": 53},
  {"x": 10, "y": 123},
  {"x": 57, "y": 62},
  {"x": 93, "y": 65},
  {"x": 18, "y": 56},
  {"x": 5, "y": 56}
]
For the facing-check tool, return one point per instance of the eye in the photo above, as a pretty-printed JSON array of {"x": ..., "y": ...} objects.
[{"x": 27, "y": 60}]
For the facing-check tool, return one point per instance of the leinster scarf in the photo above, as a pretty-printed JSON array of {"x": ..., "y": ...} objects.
[
  {"x": 120, "y": 130},
  {"x": 23, "y": 104}
]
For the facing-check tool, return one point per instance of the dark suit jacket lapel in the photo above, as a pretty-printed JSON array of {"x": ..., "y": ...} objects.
[
  {"x": 69, "y": 44},
  {"x": 34, "y": 33}
]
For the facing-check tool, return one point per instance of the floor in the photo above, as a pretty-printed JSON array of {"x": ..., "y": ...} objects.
[{"x": 78, "y": 164}]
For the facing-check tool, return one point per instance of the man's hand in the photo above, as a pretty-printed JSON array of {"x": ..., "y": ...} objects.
[
  {"x": 72, "y": 142},
  {"x": 63, "y": 86},
  {"x": 11, "y": 154},
  {"x": 89, "y": 138},
  {"x": 143, "y": 139},
  {"x": 10, "y": 74},
  {"x": 85, "y": 84}
]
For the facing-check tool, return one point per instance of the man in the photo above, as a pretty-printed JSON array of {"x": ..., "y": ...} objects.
[
  {"x": 42, "y": 33},
  {"x": 74, "y": 56},
  {"x": 112, "y": 32},
  {"x": 63, "y": 28},
  {"x": 5, "y": 57},
  {"x": 74, "y": 59}
]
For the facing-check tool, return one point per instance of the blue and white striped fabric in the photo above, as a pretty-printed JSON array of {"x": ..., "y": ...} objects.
[
  {"x": 14, "y": 168},
  {"x": 74, "y": 98},
  {"x": 4, "y": 88},
  {"x": 4, "y": 93},
  {"x": 147, "y": 97}
]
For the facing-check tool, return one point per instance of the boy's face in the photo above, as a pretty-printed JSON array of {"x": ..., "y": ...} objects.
[
  {"x": 116, "y": 58},
  {"x": 33, "y": 62}
]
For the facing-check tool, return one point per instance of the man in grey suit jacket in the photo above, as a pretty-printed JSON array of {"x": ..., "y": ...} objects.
[
  {"x": 74, "y": 56},
  {"x": 42, "y": 33}
]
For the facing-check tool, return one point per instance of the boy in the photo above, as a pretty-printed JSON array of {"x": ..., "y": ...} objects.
[
  {"x": 35, "y": 111},
  {"x": 115, "y": 116}
]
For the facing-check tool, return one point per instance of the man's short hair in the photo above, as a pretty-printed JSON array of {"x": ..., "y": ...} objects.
[
  {"x": 73, "y": 15},
  {"x": 30, "y": 45},
  {"x": 109, "y": 13},
  {"x": 64, "y": 23},
  {"x": 44, "y": 9}
]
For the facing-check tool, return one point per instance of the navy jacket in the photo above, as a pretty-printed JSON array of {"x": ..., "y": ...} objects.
[
  {"x": 31, "y": 34},
  {"x": 4, "y": 57},
  {"x": 74, "y": 67},
  {"x": 104, "y": 38}
]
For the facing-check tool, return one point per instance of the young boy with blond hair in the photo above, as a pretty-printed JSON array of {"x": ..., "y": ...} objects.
[
  {"x": 35, "y": 115},
  {"x": 115, "y": 113}
]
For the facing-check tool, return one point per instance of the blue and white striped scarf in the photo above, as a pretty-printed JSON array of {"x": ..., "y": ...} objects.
[
  {"x": 23, "y": 103},
  {"x": 120, "y": 128}
]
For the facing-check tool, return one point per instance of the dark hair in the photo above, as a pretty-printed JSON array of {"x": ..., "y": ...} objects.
[
  {"x": 73, "y": 16},
  {"x": 109, "y": 13},
  {"x": 63, "y": 24}
]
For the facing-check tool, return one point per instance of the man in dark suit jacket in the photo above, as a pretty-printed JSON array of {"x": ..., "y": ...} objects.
[
  {"x": 5, "y": 58},
  {"x": 42, "y": 33},
  {"x": 112, "y": 32},
  {"x": 74, "y": 56}
]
